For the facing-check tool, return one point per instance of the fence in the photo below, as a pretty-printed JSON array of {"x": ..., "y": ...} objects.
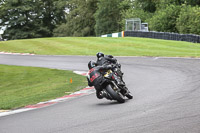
[{"x": 164, "y": 35}]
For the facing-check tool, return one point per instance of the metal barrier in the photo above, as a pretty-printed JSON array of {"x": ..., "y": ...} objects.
[{"x": 164, "y": 35}]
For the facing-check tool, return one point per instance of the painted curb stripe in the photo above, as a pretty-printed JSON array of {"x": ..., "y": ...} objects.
[
  {"x": 4, "y": 111},
  {"x": 88, "y": 88},
  {"x": 40, "y": 105},
  {"x": 83, "y": 73},
  {"x": 74, "y": 95},
  {"x": 15, "y": 111}
]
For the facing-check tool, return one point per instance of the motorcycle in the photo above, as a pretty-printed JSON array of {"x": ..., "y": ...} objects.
[{"x": 113, "y": 90}]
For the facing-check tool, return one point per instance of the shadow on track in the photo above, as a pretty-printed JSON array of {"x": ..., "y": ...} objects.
[{"x": 112, "y": 103}]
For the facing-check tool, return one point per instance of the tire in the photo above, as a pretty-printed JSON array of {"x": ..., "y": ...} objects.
[
  {"x": 128, "y": 93},
  {"x": 114, "y": 94},
  {"x": 129, "y": 96}
]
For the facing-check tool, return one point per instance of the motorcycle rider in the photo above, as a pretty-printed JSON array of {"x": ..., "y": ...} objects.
[
  {"x": 96, "y": 79},
  {"x": 107, "y": 60}
]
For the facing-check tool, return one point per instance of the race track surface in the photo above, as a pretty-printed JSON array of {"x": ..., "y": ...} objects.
[{"x": 166, "y": 99}]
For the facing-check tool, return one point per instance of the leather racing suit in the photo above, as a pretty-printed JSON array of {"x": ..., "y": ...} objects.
[
  {"x": 109, "y": 59},
  {"x": 95, "y": 78}
]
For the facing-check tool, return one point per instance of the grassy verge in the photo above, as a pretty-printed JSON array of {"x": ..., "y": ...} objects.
[
  {"x": 20, "y": 86},
  {"x": 127, "y": 46}
]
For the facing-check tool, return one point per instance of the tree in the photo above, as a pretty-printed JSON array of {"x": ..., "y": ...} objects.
[
  {"x": 193, "y": 2},
  {"x": 165, "y": 16},
  {"x": 30, "y": 18},
  {"x": 165, "y": 20},
  {"x": 188, "y": 21},
  {"x": 146, "y": 5},
  {"x": 162, "y": 3},
  {"x": 80, "y": 19},
  {"x": 52, "y": 13},
  {"x": 108, "y": 17},
  {"x": 16, "y": 15}
]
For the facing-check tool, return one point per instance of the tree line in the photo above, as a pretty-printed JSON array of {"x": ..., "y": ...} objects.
[{"x": 59, "y": 18}]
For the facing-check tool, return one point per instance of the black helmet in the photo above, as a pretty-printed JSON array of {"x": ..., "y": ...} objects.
[
  {"x": 91, "y": 64},
  {"x": 100, "y": 54}
]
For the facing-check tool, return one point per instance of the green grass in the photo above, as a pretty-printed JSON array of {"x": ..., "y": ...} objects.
[
  {"x": 128, "y": 46},
  {"x": 20, "y": 86}
]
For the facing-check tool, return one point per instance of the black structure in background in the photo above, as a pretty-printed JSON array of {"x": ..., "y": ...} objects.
[{"x": 164, "y": 35}]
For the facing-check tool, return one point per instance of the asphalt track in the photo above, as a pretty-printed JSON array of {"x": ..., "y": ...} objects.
[{"x": 166, "y": 99}]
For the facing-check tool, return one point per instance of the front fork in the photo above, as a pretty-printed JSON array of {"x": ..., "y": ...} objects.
[{"x": 116, "y": 88}]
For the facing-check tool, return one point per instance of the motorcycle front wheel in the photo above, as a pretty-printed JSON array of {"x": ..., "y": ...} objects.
[{"x": 115, "y": 95}]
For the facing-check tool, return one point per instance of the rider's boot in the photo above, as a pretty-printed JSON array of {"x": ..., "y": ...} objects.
[
  {"x": 102, "y": 94},
  {"x": 105, "y": 94}
]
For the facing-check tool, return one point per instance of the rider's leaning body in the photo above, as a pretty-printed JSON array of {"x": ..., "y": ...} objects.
[
  {"x": 95, "y": 77},
  {"x": 108, "y": 60},
  {"x": 105, "y": 59}
]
